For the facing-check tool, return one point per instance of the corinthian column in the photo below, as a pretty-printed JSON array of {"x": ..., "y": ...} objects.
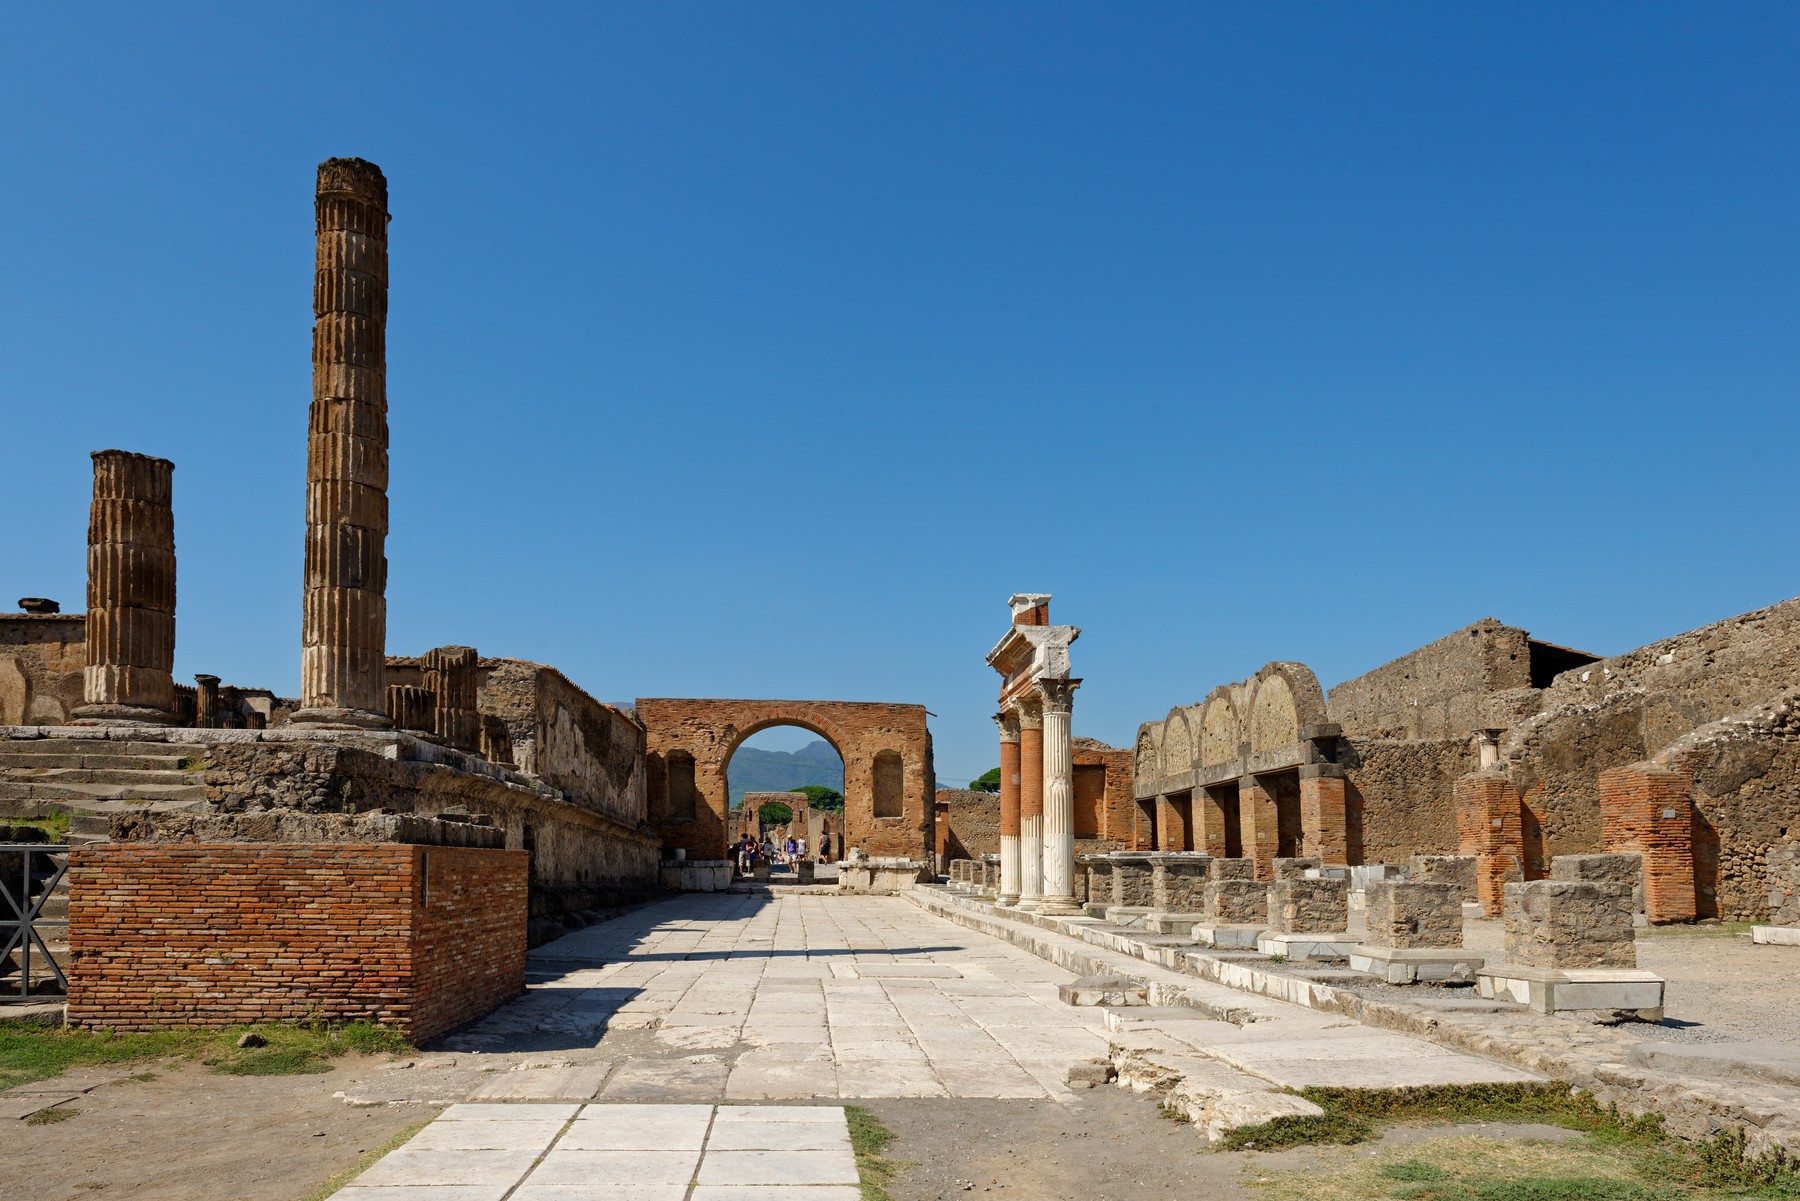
[
  {"x": 1008, "y": 721},
  {"x": 1059, "y": 796},
  {"x": 130, "y": 593},
  {"x": 1031, "y": 802},
  {"x": 344, "y": 643}
]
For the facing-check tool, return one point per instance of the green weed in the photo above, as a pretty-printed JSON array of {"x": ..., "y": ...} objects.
[{"x": 869, "y": 1139}]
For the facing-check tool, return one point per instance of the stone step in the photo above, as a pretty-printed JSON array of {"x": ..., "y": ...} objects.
[
  {"x": 54, "y": 791},
  {"x": 11, "y": 760},
  {"x": 98, "y": 775}
]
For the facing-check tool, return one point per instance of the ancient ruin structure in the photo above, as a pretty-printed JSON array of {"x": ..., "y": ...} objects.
[
  {"x": 345, "y": 614},
  {"x": 451, "y": 676},
  {"x": 130, "y": 637},
  {"x": 1037, "y": 692},
  {"x": 888, "y": 775}
]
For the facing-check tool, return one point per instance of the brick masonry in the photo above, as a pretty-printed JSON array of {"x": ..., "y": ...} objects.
[
  {"x": 218, "y": 934},
  {"x": 1648, "y": 811},
  {"x": 1489, "y": 823}
]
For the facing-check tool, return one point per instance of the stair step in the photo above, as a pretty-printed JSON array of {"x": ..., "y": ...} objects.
[
  {"x": 13, "y": 790},
  {"x": 11, "y": 761},
  {"x": 96, "y": 775}
]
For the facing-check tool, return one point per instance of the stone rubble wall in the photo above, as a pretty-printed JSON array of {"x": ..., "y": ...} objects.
[
  {"x": 1302, "y": 906},
  {"x": 1133, "y": 882},
  {"x": 1236, "y": 902},
  {"x": 1459, "y": 870},
  {"x": 1437, "y": 691},
  {"x": 41, "y": 661},
  {"x": 1569, "y": 924},
  {"x": 1178, "y": 885},
  {"x": 1406, "y": 914},
  {"x": 1626, "y": 870}
]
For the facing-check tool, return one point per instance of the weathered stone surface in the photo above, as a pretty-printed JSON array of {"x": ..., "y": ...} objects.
[
  {"x": 1133, "y": 880},
  {"x": 130, "y": 645},
  {"x": 1178, "y": 882},
  {"x": 345, "y": 612},
  {"x": 452, "y": 676},
  {"x": 412, "y": 708},
  {"x": 1309, "y": 906},
  {"x": 1231, "y": 869},
  {"x": 1407, "y": 914},
  {"x": 1236, "y": 902},
  {"x": 1293, "y": 869},
  {"x": 1569, "y": 924},
  {"x": 1627, "y": 870},
  {"x": 1459, "y": 870}
]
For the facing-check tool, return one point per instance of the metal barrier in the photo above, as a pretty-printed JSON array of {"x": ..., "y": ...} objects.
[{"x": 29, "y": 873}]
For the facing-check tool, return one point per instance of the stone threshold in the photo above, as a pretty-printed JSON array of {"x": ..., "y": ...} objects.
[{"x": 1600, "y": 1060}]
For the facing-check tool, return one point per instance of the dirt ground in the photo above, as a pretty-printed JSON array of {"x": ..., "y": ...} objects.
[{"x": 193, "y": 1135}]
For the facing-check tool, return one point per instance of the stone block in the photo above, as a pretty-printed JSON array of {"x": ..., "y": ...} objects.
[
  {"x": 1406, "y": 914},
  {"x": 1558, "y": 990},
  {"x": 1237, "y": 902},
  {"x": 1293, "y": 869},
  {"x": 1604, "y": 869},
  {"x": 1226, "y": 935},
  {"x": 1132, "y": 879},
  {"x": 882, "y": 877},
  {"x": 1775, "y": 936},
  {"x": 1460, "y": 870},
  {"x": 1309, "y": 906},
  {"x": 1231, "y": 869},
  {"x": 696, "y": 875},
  {"x": 1178, "y": 881},
  {"x": 1403, "y": 965},
  {"x": 1173, "y": 923},
  {"x": 1304, "y": 947},
  {"x": 1569, "y": 924},
  {"x": 1104, "y": 990}
]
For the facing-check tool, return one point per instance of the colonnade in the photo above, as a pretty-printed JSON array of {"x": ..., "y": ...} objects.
[{"x": 1037, "y": 798}]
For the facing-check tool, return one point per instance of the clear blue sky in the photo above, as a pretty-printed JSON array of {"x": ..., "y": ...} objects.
[{"x": 763, "y": 349}]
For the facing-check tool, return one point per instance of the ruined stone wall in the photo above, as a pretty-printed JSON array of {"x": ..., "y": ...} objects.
[
  {"x": 209, "y": 935},
  {"x": 1626, "y": 709},
  {"x": 1398, "y": 799},
  {"x": 974, "y": 823},
  {"x": 580, "y": 858},
  {"x": 1110, "y": 823},
  {"x": 1437, "y": 691},
  {"x": 41, "y": 658}
]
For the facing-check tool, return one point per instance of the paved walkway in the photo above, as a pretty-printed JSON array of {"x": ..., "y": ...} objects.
[
  {"x": 619, "y": 1153},
  {"x": 773, "y": 996}
]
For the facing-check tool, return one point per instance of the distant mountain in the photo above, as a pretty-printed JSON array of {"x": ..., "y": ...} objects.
[{"x": 779, "y": 771}]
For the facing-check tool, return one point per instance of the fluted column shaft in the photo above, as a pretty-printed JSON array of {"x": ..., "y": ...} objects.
[
  {"x": 451, "y": 674},
  {"x": 1031, "y": 804},
  {"x": 1008, "y": 722},
  {"x": 344, "y": 643},
  {"x": 127, "y": 677},
  {"x": 1059, "y": 795}
]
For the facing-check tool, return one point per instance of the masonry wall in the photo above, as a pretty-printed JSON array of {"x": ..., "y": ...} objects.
[
  {"x": 1398, "y": 796},
  {"x": 41, "y": 658},
  {"x": 218, "y": 934},
  {"x": 1113, "y": 809},
  {"x": 1437, "y": 691},
  {"x": 974, "y": 821}
]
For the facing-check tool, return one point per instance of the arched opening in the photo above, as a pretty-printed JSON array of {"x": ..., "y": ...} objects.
[{"x": 785, "y": 784}]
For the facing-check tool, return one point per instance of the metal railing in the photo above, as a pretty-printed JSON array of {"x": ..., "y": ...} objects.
[{"x": 29, "y": 873}]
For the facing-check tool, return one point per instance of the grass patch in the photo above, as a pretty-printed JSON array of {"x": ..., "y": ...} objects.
[
  {"x": 55, "y": 827},
  {"x": 870, "y": 1139},
  {"x": 1618, "y": 1158},
  {"x": 192, "y": 763},
  {"x": 36, "y": 1049},
  {"x": 1708, "y": 930},
  {"x": 50, "y": 1117},
  {"x": 338, "y": 1180}
]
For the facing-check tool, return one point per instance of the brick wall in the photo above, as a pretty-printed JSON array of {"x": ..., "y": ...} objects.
[
  {"x": 1649, "y": 811},
  {"x": 216, "y": 934},
  {"x": 1488, "y": 820}
]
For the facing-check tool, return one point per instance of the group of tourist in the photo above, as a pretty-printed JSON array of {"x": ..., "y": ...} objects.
[{"x": 751, "y": 854}]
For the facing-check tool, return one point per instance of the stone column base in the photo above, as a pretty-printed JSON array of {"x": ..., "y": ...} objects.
[
  {"x": 120, "y": 715},
  {"x": 1410, "y": 965},
  {"x": 343, "y": 719},
  {"x": 1059, "y": 906}
]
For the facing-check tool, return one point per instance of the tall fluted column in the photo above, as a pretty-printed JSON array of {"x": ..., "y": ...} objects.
[
  {"x": 345, "y": 638},
  {"x": 1008, "y": 721},
  {"x": 1031, "y": 803},
  {"x": 128, "y": 676},
  {"x": 1059, "y": 796}
]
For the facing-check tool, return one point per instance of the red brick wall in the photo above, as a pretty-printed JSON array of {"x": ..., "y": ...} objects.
[
  {"x": 216, "y": 934},
  {"x": 1488, "y": 823},
  {"x": 1649, "y": 811}
]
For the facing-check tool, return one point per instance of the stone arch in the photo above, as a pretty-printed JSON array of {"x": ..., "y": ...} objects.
[
  {"x": 1146, "y": 766},
  {"x": 1219, "y": 732},
  {"x": 1286, "y": 696},
  {"x": 1177, "y": 750},
  {"x": 713, "y": 730}
]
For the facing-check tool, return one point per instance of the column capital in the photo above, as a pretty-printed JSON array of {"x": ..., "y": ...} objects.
[
  {"x": 1008, "y": 721},
  {"x": 1031, "y": 712},
  {"x": 1058, "y": 695}
]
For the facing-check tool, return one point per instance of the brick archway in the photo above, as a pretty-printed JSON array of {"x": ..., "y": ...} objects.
[{"x": 706, "y": 733}]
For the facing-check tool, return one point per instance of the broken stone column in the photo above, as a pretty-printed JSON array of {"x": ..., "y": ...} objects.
[
  {"x": 1031, "y": 804},
  {"x": 206, "y": 703},
  {"x": 1008, "y": 721},
  {"x": 1415, "y": 933},
  {"x": 128, "y": 678},
  {"x": 344, "y": 637},
  {"x": 1308, "y": 919},
  {"x": 1059, "y": 797},
  {"x": 1571, "y": 945},
  {"x": 453, "y": 673},
  {"x": 411, "y": 708}
]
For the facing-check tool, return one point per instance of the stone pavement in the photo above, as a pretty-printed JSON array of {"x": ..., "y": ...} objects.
[
  {"x": 619, "y": 1153},
  {"x": 771, "y": 995}
]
